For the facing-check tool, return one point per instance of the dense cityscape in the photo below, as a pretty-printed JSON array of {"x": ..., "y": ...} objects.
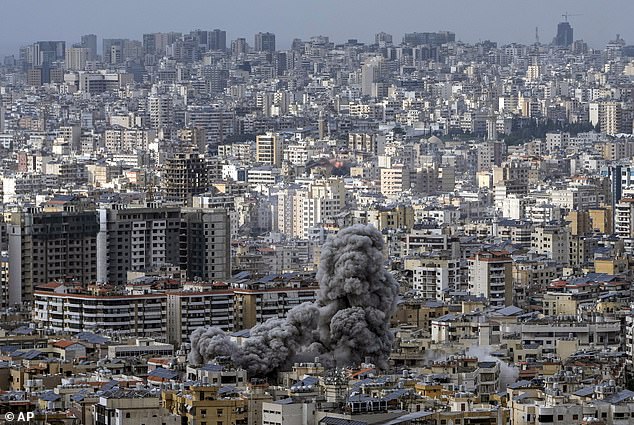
[{"x": 204, "y": 231}]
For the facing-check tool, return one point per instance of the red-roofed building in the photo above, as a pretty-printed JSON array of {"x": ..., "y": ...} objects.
[{"x": 69, "y": 350}]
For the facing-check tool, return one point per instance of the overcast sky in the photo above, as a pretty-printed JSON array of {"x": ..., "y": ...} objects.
[{"x": 25, "y": 21}]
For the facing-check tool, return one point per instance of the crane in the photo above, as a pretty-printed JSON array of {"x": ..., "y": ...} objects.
[{"x": 566, "y": 15}]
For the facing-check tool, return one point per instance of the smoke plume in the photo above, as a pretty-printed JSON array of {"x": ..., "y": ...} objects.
[
  {"x": 348, "y": 323},
  {"x": 209, "y": 342},
  {"x": 508, "y": 373}
]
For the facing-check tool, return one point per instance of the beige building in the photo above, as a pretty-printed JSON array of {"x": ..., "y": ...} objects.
[
  {"x": 490, "y": 275},
  {"x": 395, "y": 180},
  {"x": 551, "y": 241},
  {"x": 434, "y": 274},
  {"x": 268, "y": 149},
  {"x": 202, "y": 404}
]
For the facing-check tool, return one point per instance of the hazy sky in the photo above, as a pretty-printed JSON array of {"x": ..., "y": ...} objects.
[{"x": 25, "y": 21}]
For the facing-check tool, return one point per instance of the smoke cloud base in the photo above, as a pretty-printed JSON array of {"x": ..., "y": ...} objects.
[{"x": 348, "y": 323}]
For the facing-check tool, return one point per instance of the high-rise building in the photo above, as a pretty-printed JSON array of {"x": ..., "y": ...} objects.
[
  {"x": 217, "y": 40},
  {"x": 371, "y": 73},
  {"x": 239, "y": 46},
  {"x": 265, "y": 42},
  {"x": 140, "y": 315},
  {"x": 149, "y": 43},
  {"x": 89, "y": 41},
  {"x": 161, "y": 111},
  {"x": 2, "y": 117},
  {"x": 431, "y": 38},
  {"x": 434, "y": 273},
  {"x": 144, "y": 238},
  {"x": 268, "y": 149},
  {"x": 395, "y": 180},
  {"x": 185, "y": 175},
  {"x": 111, "y": 45},
  {"x": 41, "y": 58},
  {"x": 195, "y": 137},
  {"x": 564, "y": 37},
  {"x": 297, "y": 210},
  {"x": 48, "y": 246},
  {"x": 491, "y": 276},
  {"x": 217, "y": 121},
  {"x": 552, "y": 242},
  {"x": 205, "y": 243},
  {"x": 135, "y": 239},
  {"x": 383, "y": 39},
  {"x": 76, "y": 58},
  {"x": 47, "y": 52}
]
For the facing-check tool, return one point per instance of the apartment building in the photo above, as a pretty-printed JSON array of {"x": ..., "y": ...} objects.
[
  {"x": 198, "y": 305},
  {"x": 60, "y": 309},
  {"x": 48, "y": 246},
  {"x": 136, "y": 238},
  {"x": 435, "y": 273},
  {"x": 490, "y": 275}
]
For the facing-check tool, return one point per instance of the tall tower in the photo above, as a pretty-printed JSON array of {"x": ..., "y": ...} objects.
[
  {"x": 185, "y": 175},
  {"x": 371, "y": 72},
  {"x": 268, "y": 149},
  {"x": 217, "y": 40},
  {"x": 323, "y": 126},
  {"x": 265, "y": 42},
  {"x": 161, "y": 111},
  {"x": 76, "y": 58},
  {"x": 239, "y": 47},
  {"x": 48, "y": 246},
  {"x": 564, "y": 37},
  {"x": 2, "y": 112},
  {"x": 89, "y": 41}
]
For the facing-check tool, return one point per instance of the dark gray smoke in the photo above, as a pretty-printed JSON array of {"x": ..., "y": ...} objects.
[
  {"x": 209, "y": 342},
  {"x": 348, "y": 323}
]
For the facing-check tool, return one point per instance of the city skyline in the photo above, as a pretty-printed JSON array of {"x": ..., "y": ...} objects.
[{"x": 593, "y": 22}]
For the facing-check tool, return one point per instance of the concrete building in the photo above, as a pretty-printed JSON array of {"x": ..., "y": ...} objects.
[
  {"x": 136, "y": 239},
  {"x": 288, "y": 412},
  {"x": 76, "y": 58},
  {"x": 58, "y": 309},
  {"x": 185, "y": 175},
  {"x": 264, "y": 42},
  {"x": 141, "y": 238},
  {"x": 202, "y": 403},
  {"x": 435, "y": 274},
  {"x": 372, "y": 71},
  {"x": 490, "y": 275},
  {"x": 49, "y": 246},
  {"x": 268, "y": 149},
  {"x": 124, "y": 406},
  {"x": 395, "y": 180},
  {"x": 551, "y": 241},
  {"x": 623, "y": 228},
  {"x": 205, "y": 241},
  {"x": 256, "y": 303}
]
